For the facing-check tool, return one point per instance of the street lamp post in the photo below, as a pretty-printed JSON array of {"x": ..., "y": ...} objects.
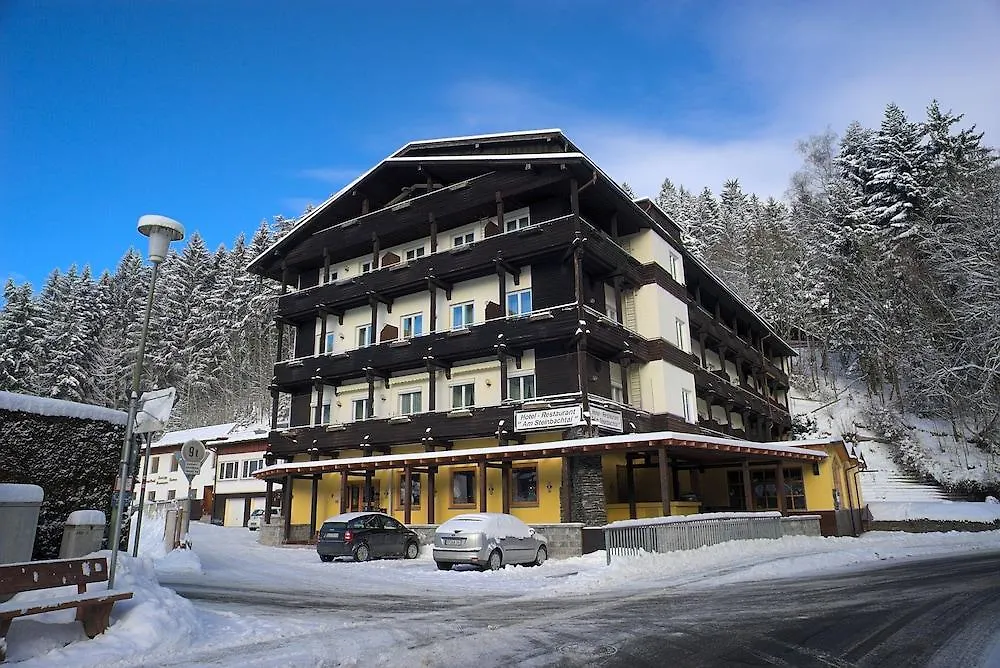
[{"x": 161, "y": 231}]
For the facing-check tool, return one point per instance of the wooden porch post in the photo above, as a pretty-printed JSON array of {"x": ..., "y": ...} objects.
[
  {"x": 666, "y": 481},
  {"x": 431, "y": 470},
  {"x": 630, "y": 486},
  {"x": 780, "y": 480},
  {"x": 505, "y": 471},
  {"x": 747, "y": 490},
  {"x": 407, "y": 494},
  {"x": 313, "y": 500},
  {"x": 268, "y": 500},
  {"x": 343, "y": 491},
  {"x": 482, "y": 485},
  {"x": 287, "y": 505},
  {"x": 322, "y": 332}
]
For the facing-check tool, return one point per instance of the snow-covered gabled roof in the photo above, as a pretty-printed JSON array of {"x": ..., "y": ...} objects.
[
  {"x": 254, "y": 432},
  {"x": 26, "y": 403},
  {"x": 215, "y": 432}
]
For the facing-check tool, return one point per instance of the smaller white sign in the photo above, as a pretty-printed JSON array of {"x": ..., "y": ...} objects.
[
  {"x": 610, "y": 420},
  {"x": 193, "y": 451},
  {"x": 550, "y": 418}
]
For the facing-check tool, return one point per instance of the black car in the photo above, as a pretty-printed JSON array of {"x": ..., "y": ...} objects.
[{"x": 365, "y": 536}]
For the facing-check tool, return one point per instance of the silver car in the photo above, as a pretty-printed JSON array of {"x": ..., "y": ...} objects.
[{"x": 488, "y": 540}]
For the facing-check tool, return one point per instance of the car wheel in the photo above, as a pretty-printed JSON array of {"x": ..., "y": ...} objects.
[
  {"x": 362, "y": 553},
  {"x": 326, "y": 557},
  {"x": 496, "y": 561},
  {"x": 412, "y": 550},
  {"x": 444, "y": 565},
  {"x": 542, "y": 555}
]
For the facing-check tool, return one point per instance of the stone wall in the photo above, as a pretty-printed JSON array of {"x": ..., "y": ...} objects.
[
  {"x": 800, "y": 525},
  {"x": 587, "y": 502},
  {"x": 931, "y": 526}
]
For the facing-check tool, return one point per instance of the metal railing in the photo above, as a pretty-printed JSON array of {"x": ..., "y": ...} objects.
[{"x": 667, "y": 534}]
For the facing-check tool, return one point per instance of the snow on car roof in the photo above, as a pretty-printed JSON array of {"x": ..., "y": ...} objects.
[{"x": 344, "y": 517}]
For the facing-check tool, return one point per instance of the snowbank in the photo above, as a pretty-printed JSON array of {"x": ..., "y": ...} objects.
[
  {"x": 17, "y": 493},
  {"x": 86, "y": 517},
  {"x": 942, "y": 511},
  {"x": 672, "y": 519}
]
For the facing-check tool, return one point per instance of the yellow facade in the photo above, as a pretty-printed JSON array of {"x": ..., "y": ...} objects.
[{"x": 829, "y": 485}]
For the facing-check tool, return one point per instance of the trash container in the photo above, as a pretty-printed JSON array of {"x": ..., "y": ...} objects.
[
  {"x": 83, "y": 534},
  {"x": 19, "y": 506}
]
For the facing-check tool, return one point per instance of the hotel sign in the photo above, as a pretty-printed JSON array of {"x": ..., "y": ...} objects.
[
  {"x": 550, "y": 418},
  {"x": 610, "y": 420},
  {"x": 568, "y": 416}
]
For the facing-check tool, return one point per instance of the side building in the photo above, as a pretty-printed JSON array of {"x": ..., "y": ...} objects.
[
  {"x": 471, "y": 298},
  {"x": 226, "y": 486}
]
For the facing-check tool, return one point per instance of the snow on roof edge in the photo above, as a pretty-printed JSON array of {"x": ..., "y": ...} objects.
[{"x": 26, "y": 403}]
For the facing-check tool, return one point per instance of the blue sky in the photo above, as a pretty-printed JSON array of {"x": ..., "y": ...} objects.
[{"x": 222, "y": 113}]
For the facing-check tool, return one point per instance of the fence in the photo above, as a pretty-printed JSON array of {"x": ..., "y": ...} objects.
[{"x": 687, "y": 532}]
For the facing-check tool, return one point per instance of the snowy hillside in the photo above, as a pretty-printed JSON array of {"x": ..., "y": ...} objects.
[{"x": 909, "y": 459}]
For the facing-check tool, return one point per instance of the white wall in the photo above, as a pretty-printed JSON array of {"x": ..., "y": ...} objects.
[
  {"x": 661, "y": 384},
  {"x": 164, "y": 480},
  {"x": 648, "y": 246},
  {"x": 657, "y": 312}
]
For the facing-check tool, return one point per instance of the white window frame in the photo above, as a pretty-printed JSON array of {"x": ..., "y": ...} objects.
[
  {"x": 519, "y": 379},
  {"x": 674, "y": 261},
  {"x": 412, "y": 318},
  {"x": 465, "y": 398},
  {"x": 415, "y": 252},
  {"x": 463, "y": 239},
  {"x": 681, "y": 331},
  {"x": 363, "y": 403},
  {"x": 409, "y": 394},
  {"x": 464, "y": 306},
  {"x": 618, "y": 393},
  {"x": 250, "y": 466},
  {"x": 518, "y": 294},
  {"x": 686, "y": 400},
  {"x": 328, "y": 344},
  {"x": 368, "y": 338},
  {"x": 326, "y": 413},
  {"x": 516, "y": 220},
  {"x": 229, "y": 470}
]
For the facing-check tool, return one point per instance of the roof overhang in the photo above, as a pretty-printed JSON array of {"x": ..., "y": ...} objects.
[{"x": 694, "y": 446}]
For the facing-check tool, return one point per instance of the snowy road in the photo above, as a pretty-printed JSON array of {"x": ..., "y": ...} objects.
[{"x": 935, "y": 611}]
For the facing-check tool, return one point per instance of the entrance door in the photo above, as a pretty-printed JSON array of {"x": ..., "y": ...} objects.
[{"x": 356, "y": 496}]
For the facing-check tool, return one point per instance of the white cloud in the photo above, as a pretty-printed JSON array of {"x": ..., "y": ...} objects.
[{"x": 818, "y": 66}]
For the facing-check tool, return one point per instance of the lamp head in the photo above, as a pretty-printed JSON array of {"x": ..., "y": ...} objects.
[{"x": 161, "y": 231}]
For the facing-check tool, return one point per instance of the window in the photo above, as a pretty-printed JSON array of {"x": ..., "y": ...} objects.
[
  {"x": 617, "y": 393},
  {"x": 326, "y": 414},
  {"x": 251, "y": 466},
  {"x": 171, "y": 494},
  {"x": 686, "y": 400},
  {"x": 229, "y": 471},
  {"x": 463, "y": 239},
  {"x": 154, "y": 465},
  {"x": 366, "y": 267},
  {"x": 681, "y": 327},
  {"x": 359, "y": 409},
  {"x": 463, "y": 396},
  {"x": 152, "y": 495},
  {"x": 674, "y": 273},
  {"x": 174, "y": 464},
  {"x": 410, "y": 402},
  {"x": 364, "y": 336},
  {"x": 414, "y": 253},
  {"x": 524, "y": 486},
  {"x": 462, "y": 315},
  {"x": 328, "y": 344},
  {"x": 519, "y": 303},
  {"x": 517, "y": 220},
  {"x": 411, "y": 325},
  {"x": 463, "y": 488},
  {"x": 414, "y": 490},
  {"x": 764, "y": 489},
  {"x": 332, "y": 277},
  {"x": 520, "y": 388}
]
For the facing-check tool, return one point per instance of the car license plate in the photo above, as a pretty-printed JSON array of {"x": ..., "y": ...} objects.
[
  {"x": 452, "y": 541},
  {"x": 333, "y": 534}
]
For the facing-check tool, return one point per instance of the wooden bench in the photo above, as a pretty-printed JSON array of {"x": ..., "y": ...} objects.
[{"x": 92, "y": 608}]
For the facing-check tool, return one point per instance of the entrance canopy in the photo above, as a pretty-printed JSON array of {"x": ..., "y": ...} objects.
[{"x": 688, "y": 446}]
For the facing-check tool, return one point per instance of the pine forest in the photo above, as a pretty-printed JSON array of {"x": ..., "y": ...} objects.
[{"x": 884, "y": 255}]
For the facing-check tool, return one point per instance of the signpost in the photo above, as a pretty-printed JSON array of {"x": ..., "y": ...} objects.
[
  {"x": 191, "y": 457},
  {"x": 152, "y": 416}
]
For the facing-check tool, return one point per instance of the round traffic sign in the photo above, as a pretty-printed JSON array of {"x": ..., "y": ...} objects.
[{"x": 193, "y": 451}]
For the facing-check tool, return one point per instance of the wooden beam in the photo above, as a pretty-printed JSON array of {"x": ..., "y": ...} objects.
[
  {"x": 505, "y": 489},
  {"x": 747, "y": 489},
  {"x": 407, "y": 494},
  {"x": 431, "y": 501},
  {"x": 482, "y": 485},
  {"x": 666, "y": 492},
  {"x": 630, "y": 486},
  {"x": 780, "y": 479}
]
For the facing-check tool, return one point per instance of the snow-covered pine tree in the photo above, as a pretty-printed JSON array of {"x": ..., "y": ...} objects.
[{"x": 20, "y": 339}]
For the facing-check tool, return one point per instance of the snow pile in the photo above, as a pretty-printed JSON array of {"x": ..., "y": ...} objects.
[
  {"x": 86, "y": 517},
  {"x": 943, "y": 511},
  {"x": 25, "y": 403},
  {"x": 153, "y": 617},
  {"x": 674, "y": 519},
  {"x": 494, "y": 525},
  {"x": 17, "y": 493}
]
